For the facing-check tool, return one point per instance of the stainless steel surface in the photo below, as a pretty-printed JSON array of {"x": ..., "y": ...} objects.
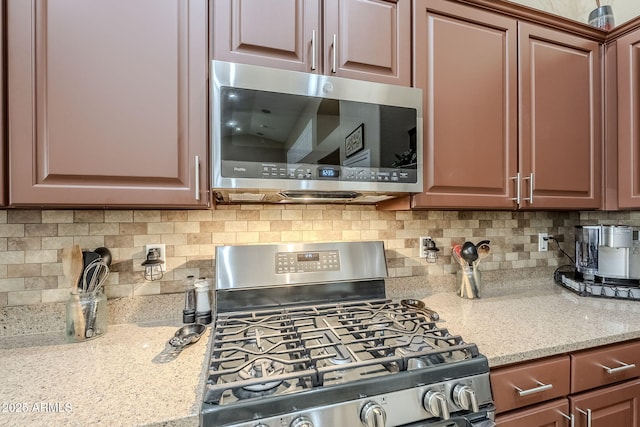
[
  {"x": 320, "y": 348},
  {"x": 605, "y": 252},
  {"x": 518, "y": 198},
  {"x": 356, "y": 260},
  {"x": 197, "y": 177},
  {"x": 539, "y": 389},
  {"x": 357, "y": 172}
]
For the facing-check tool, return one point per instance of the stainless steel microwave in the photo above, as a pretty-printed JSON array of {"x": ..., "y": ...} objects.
[{"x": 285, "y": 136}]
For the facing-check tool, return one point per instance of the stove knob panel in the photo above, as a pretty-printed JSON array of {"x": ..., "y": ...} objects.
[
  {"x": 301, "y": 422},
  {"x": 435, "y": 403},
  {"x": 373, "y": 415},
  {"x": 465, "y": 397}
]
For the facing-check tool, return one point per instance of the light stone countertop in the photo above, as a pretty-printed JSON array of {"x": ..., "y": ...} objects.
[
  {"x": 124, "y": 378},
  {"x": 515, "y": 324},
  {"x": 115, "y": 380}
]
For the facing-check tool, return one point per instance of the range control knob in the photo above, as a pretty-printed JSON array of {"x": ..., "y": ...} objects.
[
  {"x": 465, "y": 397},
  {"x": 301, "y": 422},
  {"x": 435, "y": 403},
  {"x": 373, "y": 415}
]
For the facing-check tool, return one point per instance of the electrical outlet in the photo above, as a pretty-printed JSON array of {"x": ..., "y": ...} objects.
[
  {"x": 162, "y": 249},
  {"x": 423, "y": 245},
  {"x": 543, "y": 243}
]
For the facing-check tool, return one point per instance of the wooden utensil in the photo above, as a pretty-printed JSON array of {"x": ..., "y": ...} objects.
[{"x": 72, "y": 266}]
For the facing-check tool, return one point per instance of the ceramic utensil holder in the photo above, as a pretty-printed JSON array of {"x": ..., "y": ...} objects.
[
  {"x": 86, "y": 316},
  {"x": 469, "y": 280}
]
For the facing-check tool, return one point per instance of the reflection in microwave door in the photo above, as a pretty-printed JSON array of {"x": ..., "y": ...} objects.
[{"x": 354, "y": 142}]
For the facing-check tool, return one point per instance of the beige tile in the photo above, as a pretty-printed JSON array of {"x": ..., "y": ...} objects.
[
  {"x": 248, "y": 237},
  {"x": 245, "y": 215},
  {"x": 23, "y": 270},
  {"x": 224, "y": 238},
  {"x": 235, "y": 226},
  {"x": 57, "y": 242},
  {"x": 12, "y": 230},
  {"x": 50, "y": 269},
  {"x": 39, "y": 283},
  {"x": 41, "y": 256},
  {"x": 301, "y": 225},
  {"x": 351, "y": 235},
  {"x": 199, "y": 215},
  {"x": 118, "y": 216},
  {"x": 323, "y": 225},
  {"x": 3, "y": 243},
  {"x": 271, "y": 215},
  {"x": 258, "y": 225},
  {"x": 20, "y": 216},
  {"x": 123, "y": 241},
  {"x": 24, "y": 298},
  {"x": 148, "y": 288},
  {"x": 56, "y": 217},
  {"x": 88, "y": 216},
  {"x": 292, "y": 215},
  {"x": 270, "y": 237},
  {"x": 211, "y": 226},
  {"x": 23, "y": 243},
  {"x": 147, "y": 216},
  {"x": 89, "y": 242},
  {"x": 159, "y": 228},
  {"x": 292, "y": 236},
  {"x": 54, "y": 295},
  {"x": 102, "y": 229},
  {"x": 73, "y": 229},
  {"x": 223, "y": 215},
  {"x": 3, "y": 216},
  {"x": 198, "y": 239},
  {"x": 187, "y": 227},
  {"x": 133, "y": 228},
  {"x": 12, "y": 284},
  {"x": 12, "y": 257},
  {"x": 310, "y": 215}
]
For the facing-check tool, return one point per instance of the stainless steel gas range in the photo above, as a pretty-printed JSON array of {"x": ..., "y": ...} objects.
[{"x": 304, "y": 336}]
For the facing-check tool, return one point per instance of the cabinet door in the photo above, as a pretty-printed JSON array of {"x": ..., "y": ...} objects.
[
  {"x": 276, "y": 33},
  {"x": 628, "y": 50},
  {"x": 3, "y": 150},
  {"x": 368, "y": 40},
  {"x": 560, "y": 119},
  {"x": 465, "y": 62},
  {"x": 617, "y": 405},
  {"x": 552, "y": 414},
  {"x": 107, "y": 102}
]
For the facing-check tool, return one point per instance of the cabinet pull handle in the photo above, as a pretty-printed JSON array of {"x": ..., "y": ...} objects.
[
  {"x": 334, "y": 57},
  {"x": 541, "y": 387},
  {"x": 624, "y": 367},
  {"x": 587, "y": 413},
  {"x": 571, "y": 418},
  {"x": 530, "y": 178},
  {"x": 313, "y": 50},
  {"x": 197, "y": 180},
  {"x": 517, "y": 198}
]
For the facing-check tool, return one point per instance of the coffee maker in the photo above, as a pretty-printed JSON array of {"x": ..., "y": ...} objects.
[{"x": 607, "y": 254}]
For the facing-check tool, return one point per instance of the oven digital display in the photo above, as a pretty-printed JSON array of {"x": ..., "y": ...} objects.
[{"x": 308, "y": 256}]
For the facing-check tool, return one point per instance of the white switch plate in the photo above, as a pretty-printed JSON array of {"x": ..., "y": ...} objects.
[
  {"x": 163, "y": 253},
  {"x": 421, "y": 248},
  {"x": 543, "y": 243}
]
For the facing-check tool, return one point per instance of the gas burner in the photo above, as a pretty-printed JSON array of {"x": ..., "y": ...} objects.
[
  {"x": 262, "y": 368},
  {"x": 254, "y": 334}
]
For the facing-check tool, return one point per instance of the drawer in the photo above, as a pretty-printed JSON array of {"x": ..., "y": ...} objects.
[
  {"x": 606, "y": 365},
  {"x": 530, "y": 383},
  {"x": 553, "y": 413}
]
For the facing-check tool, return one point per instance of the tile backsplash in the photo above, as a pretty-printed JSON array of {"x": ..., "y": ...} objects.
[{"x": 31, "y": 241}]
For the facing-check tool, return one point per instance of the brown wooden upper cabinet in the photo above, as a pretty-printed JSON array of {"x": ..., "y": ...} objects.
[
  {"x": 107, "y": 103},
  {"x": 359, "y": 39},
  {"x": 501, "y": 132},
  {"x": 628, "y": 120}
]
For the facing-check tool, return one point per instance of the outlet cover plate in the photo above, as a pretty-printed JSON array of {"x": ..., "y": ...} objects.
[
  {"x": 422, "y": 247},
  {"x": 543, "y": 243},
  {"x": 163, "y": 253}
]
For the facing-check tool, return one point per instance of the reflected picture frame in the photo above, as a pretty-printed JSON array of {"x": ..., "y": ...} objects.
[{"x": 354, "y": 142}]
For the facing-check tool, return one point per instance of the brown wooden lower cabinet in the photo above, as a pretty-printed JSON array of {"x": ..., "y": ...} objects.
[
  {"x": 604, "y": 389},
  {"x": 617, "y": 405},
  {"x": 552, "y": 414}
]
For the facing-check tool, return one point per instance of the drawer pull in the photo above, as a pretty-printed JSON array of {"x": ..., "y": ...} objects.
[
  {"x": 571, "y": 418},
  {"x": 588, "y": 414},
  {"x": 541, "y": 387},
  {"x": 624, "y": 367}
]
